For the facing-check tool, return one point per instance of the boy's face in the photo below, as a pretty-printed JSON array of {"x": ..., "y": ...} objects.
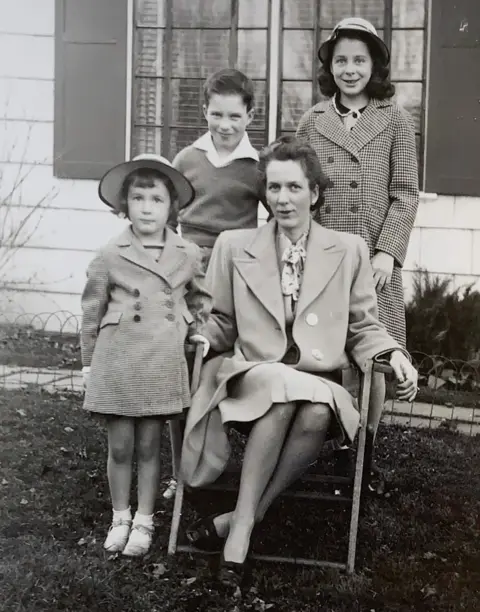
[
  {"x": 227, "y": 117},
  {"x": 148, "y": 209}
]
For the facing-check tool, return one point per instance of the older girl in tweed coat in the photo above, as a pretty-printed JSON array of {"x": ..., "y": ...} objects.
[
  {"x": 143, "y": 298},
  {"x": 366, "y": 145}
]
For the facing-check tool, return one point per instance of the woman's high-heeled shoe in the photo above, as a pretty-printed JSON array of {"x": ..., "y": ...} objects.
[
  {"x": 203, "y": 535},
  {"x": 231, "y": 574}
]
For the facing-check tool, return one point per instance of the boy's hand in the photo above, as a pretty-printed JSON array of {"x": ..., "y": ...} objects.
[
  {"x": 199, "y": 339},
  {"x": 85, "y": 374},
  {"x": 406, "y": 375}
]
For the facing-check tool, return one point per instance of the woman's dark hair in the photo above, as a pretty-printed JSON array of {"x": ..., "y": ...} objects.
[
  {"x": 290, "y": 148},
  {"x": 228, "y": 82},
  {"x": 145, "y": 178},
  {"x": 379, "y": 86}
]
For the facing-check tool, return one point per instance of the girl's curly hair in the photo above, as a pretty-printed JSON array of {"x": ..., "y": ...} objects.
[{"x": 379, "y": 86}]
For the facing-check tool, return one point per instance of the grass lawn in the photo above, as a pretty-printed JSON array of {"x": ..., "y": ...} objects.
[{"x": 419, "y": 550}]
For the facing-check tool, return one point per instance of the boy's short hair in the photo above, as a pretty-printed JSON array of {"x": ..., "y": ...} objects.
[
  {"x": 227, "y": 82},
  {"x": 145, "y": 178}
]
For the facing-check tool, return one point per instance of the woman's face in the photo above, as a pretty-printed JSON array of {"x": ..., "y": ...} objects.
[
  {"x": 351, "y": 67},
  {"x": 289, "y": 196}
]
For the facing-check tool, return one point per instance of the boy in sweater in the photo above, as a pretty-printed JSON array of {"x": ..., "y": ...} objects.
[{"x": 222, "y": 164}]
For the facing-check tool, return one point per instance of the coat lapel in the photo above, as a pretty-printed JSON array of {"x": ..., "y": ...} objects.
[
  {"x": 324, "y": 255},
  {"x": 171, "y": 260},
  {"x": 259, "y": 270},
  {"x": 330, "y": 125}
]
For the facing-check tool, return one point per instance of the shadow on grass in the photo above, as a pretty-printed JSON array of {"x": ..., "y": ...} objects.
[{"x": 419, "y": 550}]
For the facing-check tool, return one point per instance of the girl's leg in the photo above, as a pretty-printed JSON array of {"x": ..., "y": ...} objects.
[
  {"x": 121, "y": 435},
  {"x": 301, "y": 448},
  {"x": 372, "y": 475},
  {"x": 261, "y": 455},
  {"x": 147, "y": 444}
]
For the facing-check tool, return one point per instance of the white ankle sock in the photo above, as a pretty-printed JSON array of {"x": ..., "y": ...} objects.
[
  {"x": 124, "y": 515},
  {"x": 143, "y": 519}
]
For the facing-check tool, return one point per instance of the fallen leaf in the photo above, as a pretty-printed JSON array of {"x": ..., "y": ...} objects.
[
  {"x": 4, "y": 482},
  {"x": 159, "y": 569},
  {"x": 64, "y": 450},
  {"x": 24, "y": 501},
  {"x": 32, "y": 490},
  {"x": 68, "y": 429},
  {"x": 428, "y": 591},
  {"x": 82, "y": 542},
  {"x": 189, "y": 581},
  {"x": 21, "y": 412},
  {"x": 429, "y": 555}
]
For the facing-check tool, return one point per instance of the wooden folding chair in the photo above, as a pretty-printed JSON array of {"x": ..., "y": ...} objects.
[{"x": 362, "y": 466}]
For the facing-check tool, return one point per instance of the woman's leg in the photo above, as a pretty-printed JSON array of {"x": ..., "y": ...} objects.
[
  {"x": 121, "y": 438},
  {"x": 301, "y": 448},
  {"x": 261, "y": 455}
]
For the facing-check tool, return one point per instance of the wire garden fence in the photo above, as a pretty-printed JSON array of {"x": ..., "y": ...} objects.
[{"x": 42, "y": 351}]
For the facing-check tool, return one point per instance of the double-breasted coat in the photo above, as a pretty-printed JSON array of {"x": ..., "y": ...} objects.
[
  {"x": 137, "y": 314},
  {"x": 335, "y": 320},
  {"x": 373, "y": 186}
]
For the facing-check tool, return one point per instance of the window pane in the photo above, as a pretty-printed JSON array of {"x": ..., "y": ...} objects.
[
  {"x": 260, "y": 105},
  {"x": 332, "y": 11},
  {"x": 198, "y": 53},
  {"x": 252, "y": 53},
  {"x": 149, "y": 52},
  {"x": 258, "y": 139},
  {"x": 181, "y": 138},
  {"x": 296, "y": 99},
  {"x": 253, "y": 13},
  {"x": 202, "y": 13},
  {"x": 148, "y": 101},
  {"x": 299, "y": 13},
  {"x": 146, "y": 140},
  {"x": 408, "y": 14},
  {"x": 297, "y": 54},
  {"x": 186, "y": 102},
  {"x": 409, "y": 95},
  {"x": 150, "y": 13},
  {"x": 407, "y": 54}
]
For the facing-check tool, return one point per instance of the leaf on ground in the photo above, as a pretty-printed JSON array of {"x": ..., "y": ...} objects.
[
  {"x": 21, "y": 412},
  {"x": 64, "y": 450},
  {"x": 82, "y": 542},
  {"x": 429, "y": 555},
  {"x": 68, "y": 429},
  {"x": 4, "y": 482},
  {"x": 24, "y": 501},
  {"x": 428, "y": 591},
  {"x": 189, "y": 581},
  {"x": 159, "y": 569}
]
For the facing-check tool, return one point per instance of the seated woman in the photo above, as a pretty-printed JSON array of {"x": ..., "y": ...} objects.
[{"x": 292, "y": 303}]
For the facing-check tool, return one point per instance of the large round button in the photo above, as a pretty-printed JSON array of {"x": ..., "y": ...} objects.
[
  {"x": 171, "y": 316},
  {"x": 167, "y": 291},
  {"x": 137, "y": 306},
  {"x": 354, "y": 209},
  {"x": 169, "y": 304},
  {"x": 354, "y": 184},
  {"x": 328, "y": 209},
  {"x": 137, "y": 318},
  {"x": 330, "y": 160},
  {"x": 311, "y": 319},
  {"x": 136, "y": 293}
]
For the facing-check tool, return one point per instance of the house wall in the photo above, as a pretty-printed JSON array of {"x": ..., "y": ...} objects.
[{"x": 49, "y": 271}]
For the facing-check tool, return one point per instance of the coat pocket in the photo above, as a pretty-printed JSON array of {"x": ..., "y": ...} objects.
[{"x": 111, "y": 318}]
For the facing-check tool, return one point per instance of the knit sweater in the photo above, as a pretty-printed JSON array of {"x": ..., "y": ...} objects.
[{"x": 225, "y": 198}]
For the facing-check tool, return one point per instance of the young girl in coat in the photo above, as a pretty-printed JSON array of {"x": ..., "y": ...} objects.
[
  {"x": 366, "y": 146},
  {"x": 143, "y": 299}
]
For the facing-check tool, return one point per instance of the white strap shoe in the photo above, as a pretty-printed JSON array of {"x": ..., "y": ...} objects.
[
  {"x": 139, "y": 541},
  {"x": 117, "y": 535}
]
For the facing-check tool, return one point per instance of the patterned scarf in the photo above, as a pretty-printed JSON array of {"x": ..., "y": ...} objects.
[{"x": 293, "y": 259}]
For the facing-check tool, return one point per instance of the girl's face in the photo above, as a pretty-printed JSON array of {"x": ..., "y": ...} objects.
[
  {"x": 289, "y": 196},
  {"x": 351, "y": 67},
  {"x": 149, "y": 208}
]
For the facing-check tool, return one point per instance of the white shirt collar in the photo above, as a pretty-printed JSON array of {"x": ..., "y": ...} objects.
[{"x": 244, "y": 150}]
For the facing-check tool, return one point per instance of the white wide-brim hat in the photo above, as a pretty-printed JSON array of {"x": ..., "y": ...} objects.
[
  {"x": 110, "y": 186},
  {"x": 353, "y": 24}
]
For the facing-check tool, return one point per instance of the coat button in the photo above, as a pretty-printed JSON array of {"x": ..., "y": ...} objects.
[
  {"x": 170, "y": 316},
  {"x": 328, "y": 209},
  {"x": 137, "y": 306},
  {"x": 137, "y": 318},
  {"x": 354, "y": 184},
  {"x": 330, "y": 160},
  {"x": 136, "y": 293},
  {"x": 354, "y": 209},
  {"x": 311, "y": 319},
  {"x": 317, "y": 354},
  {"x": 169, "y": 304},
  {"x": 167, "y": 291}
]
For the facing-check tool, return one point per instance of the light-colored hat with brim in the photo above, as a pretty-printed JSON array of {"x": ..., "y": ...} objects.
[
  {"x": 353, "y": 24},
  {"x": 110, "y": 187}
]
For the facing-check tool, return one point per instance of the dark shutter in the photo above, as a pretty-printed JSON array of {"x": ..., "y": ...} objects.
[
  {"x": 453, "y": 129},
  {"x": 90, "y": 86}
]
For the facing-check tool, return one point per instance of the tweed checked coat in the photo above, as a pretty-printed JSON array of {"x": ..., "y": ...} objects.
[
  {"x": 335, "y": 320},
  {"x": 137, "y": 314},
  {"x": 373, "y": 189}
]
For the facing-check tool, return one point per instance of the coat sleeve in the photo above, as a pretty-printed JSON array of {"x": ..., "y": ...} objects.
[
  {"x": 303, "y": 129},
  {"x": 221, "y": 329},
  {"x": 367, "y": 338},
  {"x": 403, "y": 191},
  {"x": 95, "y": 298},
  {"x": 197, "y": 297}
]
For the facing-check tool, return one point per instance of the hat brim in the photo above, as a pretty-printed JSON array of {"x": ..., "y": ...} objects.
[
  {"x": 110, "y": 186},
  {"x": 324, "y": 50}
]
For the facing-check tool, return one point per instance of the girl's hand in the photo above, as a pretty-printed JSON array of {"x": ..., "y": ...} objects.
[
  {"x": 382, "y": 264},
  {"x": 85, "y": 374},
  {"x": 199, "y": 339},
  {"x": 406, "y": 375}
]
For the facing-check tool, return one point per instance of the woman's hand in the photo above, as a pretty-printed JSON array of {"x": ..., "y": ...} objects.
[
  {"x": 199, "y": 339},
  {"x": 406, "y": 375},
  {"x": 382, "y": 264}
]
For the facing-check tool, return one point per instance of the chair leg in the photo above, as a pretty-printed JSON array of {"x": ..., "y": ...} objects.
[{"x": 176, "y": 517}]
